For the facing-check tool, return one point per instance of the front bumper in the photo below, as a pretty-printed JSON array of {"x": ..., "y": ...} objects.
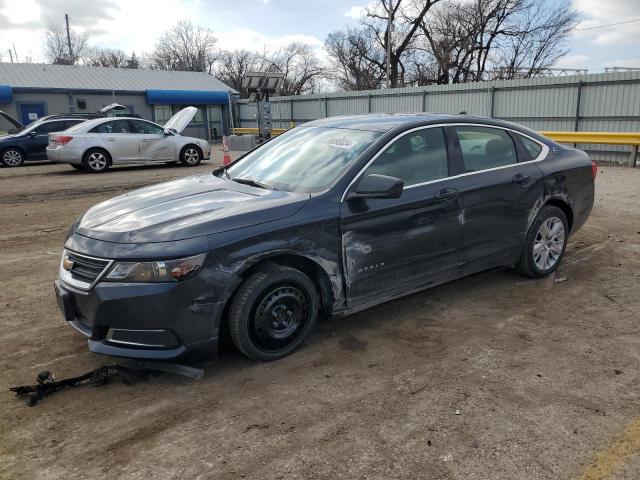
[{"x": 162, "y": 321}]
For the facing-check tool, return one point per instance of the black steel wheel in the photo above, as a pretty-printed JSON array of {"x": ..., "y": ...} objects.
[{"x": 273, "y": 312}]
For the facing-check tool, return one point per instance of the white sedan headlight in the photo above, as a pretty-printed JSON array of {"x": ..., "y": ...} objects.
[{"x": 159, "y": 271}]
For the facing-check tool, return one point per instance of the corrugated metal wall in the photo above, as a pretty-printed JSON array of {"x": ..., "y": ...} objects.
[{"x": 596, "y": 102}]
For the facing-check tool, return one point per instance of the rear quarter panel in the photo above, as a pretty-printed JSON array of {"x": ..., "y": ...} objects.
[{"x": 568, "y": 177}]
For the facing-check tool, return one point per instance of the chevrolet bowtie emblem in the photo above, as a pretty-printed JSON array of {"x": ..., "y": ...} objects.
[{"x": 67, "y": 264}]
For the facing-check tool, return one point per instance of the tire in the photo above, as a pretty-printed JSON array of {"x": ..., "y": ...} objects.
[
  {"x": 272, "y": 313},
  {"x": 12, "y": 157},
  {"x": 545, "y": 243},
  {"x": 190, "y": 155},
  {"x": 96, "y": 160}
]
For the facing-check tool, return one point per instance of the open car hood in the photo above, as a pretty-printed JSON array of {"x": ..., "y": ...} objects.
[{"x": 181, "y": 119}]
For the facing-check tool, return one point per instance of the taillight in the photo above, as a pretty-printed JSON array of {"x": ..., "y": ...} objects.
[
  {"x": 594, "y": 169},
  {"x": 61, "y": 139}
]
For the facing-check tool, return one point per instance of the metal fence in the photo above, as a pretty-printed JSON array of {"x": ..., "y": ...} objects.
[{"x": 607, "y": 102}]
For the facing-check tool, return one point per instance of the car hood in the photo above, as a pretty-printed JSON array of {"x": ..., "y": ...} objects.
[
  {"x": 186, "y": 208},
  {"x": 8, "y": 136},
  {"x": 181, "y": 119}
]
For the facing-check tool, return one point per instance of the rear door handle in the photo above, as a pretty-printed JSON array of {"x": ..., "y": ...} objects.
[
  {"x": 446, "y": 194},
  {"x": 145, "y": 141},
  {"x": 520, "y": 178},
  {"x": 111, "y": 139}
]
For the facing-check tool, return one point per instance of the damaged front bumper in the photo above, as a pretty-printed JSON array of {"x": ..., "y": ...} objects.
[{"x": 155, "y": 321}]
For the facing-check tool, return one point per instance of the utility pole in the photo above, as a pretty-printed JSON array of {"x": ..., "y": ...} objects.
[
  {"x": 389, "y": 27},
  {"x": 66, "y": 19},
  {"x": 15, "y": 51},
  {"x": 11, "y": 55}
]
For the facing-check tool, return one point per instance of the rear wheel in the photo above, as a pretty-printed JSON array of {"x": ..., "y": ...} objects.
[
  {"x": 190, "y": 156},
  {"x": 12, "y": 157},
  {"x": 96, "y": 160},
  {"x": 545, "y": 243},
  {"x": 272, "y": 313}
]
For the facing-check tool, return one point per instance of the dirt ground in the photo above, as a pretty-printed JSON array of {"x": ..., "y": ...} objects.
[{"x": 489, "y": 377}]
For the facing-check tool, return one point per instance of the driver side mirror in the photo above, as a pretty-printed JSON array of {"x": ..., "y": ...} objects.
[{"x": 377, "y": 186}]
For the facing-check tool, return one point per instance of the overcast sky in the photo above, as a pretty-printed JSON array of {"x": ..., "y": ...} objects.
[{"x": 134, "y": 25}]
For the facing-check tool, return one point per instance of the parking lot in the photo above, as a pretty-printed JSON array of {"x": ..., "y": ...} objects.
[{"x": 491, "y": 377}]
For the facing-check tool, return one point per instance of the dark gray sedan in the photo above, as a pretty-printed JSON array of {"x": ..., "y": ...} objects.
[{"x": 336, "y": 216}]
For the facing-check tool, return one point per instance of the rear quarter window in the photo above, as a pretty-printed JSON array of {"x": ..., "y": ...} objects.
[{"x": 532, "y": 147}]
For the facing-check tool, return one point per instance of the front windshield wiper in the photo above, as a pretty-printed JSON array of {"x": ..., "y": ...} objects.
[{"x": 253, "y": 183}]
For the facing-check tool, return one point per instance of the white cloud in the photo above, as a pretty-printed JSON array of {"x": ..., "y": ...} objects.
[
  {"x": 573, "y": 61},
  {"x": 603, "y": 12},
  {"x": 356, "y": 12}
]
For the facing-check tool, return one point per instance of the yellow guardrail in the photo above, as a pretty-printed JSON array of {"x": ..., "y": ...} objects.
[
  {"x": 604, "y": 138},
  {"x": 254, "y": 131},
  {"x": 608, "y": 138}
]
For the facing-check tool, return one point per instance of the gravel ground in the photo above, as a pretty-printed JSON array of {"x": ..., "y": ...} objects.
[{"x": 490, "y": 377}]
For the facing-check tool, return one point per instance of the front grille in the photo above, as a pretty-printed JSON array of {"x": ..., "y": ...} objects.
[{"x": 86, "y": 269}]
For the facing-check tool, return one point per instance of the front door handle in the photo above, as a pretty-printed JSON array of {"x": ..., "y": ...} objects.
[
  {"x": 520, "y": 178},
  {"x": 446, "y": 194}
]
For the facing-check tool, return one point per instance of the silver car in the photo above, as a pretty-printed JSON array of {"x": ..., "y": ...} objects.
[{"x": 97, "y": 144}]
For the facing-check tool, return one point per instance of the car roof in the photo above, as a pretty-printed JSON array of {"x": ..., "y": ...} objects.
[{"x": 384, "y": 122}]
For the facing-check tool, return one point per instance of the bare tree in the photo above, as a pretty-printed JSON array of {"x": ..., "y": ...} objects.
[
  {"x": 405, "y": 18},
  {"x": 355, "y": 60},
  {"x": 185, "y": 47},
  {"x": 300, "y": 65},
  {"x": 105, "y": 57},
  {"x": 232, "y": 67},
  {"x": 485, "y": 39},
  {"x": 538, "y": 42},
  {"x": 56, "y": 49}
]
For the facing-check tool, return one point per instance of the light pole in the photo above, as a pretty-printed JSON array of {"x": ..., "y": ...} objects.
[{"x": 389, "y": 27}]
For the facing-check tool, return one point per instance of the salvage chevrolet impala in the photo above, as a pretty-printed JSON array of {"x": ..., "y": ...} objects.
[{"x": 334, "y": 216}]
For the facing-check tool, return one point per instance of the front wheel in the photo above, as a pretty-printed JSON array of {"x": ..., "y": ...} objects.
[
  {"x": 12, "y": 157},
  {"x": 272, "y": 313},
  {"x": 190, "y": 156},
  {"x": 545, "y": 243}
]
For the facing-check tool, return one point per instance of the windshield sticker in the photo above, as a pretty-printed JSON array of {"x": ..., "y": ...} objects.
[{"x": 337, "y": 142}]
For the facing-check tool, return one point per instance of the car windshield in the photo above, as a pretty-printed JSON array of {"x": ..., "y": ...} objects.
[{"x": 304, "y": 159}]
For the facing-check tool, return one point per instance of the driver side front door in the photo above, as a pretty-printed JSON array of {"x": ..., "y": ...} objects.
[
  {"x": 391, "y": 246},
  {"x": 155, "y": 146}
]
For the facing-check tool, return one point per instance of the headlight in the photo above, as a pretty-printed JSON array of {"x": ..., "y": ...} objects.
[{"x": 160, "y": 271}]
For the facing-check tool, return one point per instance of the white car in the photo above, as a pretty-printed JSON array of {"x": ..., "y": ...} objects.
[{"x": 97, "y": 144}]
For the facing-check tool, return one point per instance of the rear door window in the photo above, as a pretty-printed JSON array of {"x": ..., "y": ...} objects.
[
  {"x": 485, "y": 147},
  {"x": 115, "y": 126},
  {"x": 140, "y": 126},
  {"x": 49, "y": 127},
  {"x": 416, "y": 157}
]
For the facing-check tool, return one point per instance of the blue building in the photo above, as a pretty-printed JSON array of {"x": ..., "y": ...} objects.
[{"x": 29, "y": 91}]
